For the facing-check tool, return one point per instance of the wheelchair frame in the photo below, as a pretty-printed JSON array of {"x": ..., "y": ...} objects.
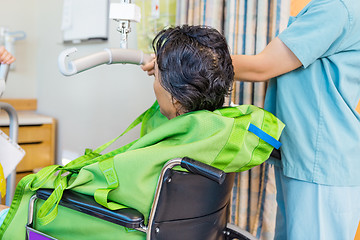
[{"x": 131, "y": 218}]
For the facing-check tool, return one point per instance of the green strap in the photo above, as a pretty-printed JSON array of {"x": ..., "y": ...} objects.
[
  {"x": 18, "y": 196},
  {"x": 49, "y": 209},
  {"x": 83, "y": 160},
  {"x": 236, "y": 137},
  {"x": 106, "y": 163},
  {"x": 131, "y": 126},
  {"x": 91, "y": 156},
  {"x": 101, "y": 195},
  {"x": 108, "y": 169},
  {"x": 42, "y": 176}
]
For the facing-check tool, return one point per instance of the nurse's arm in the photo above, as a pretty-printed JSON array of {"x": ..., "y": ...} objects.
[{"x": 276, "y": 59}]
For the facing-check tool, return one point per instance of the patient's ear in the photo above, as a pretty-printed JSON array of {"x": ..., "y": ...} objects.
[{"x": 178, "y": 107}]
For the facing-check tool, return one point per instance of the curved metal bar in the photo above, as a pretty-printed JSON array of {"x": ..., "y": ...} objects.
[
  {"x": 67, "y": 69},
  {"x": 17, "y": 35},
  {"x": 13, "y": 131},
  {"x": 4, "y": 70},
  {"x": 13, "y": 134},
  {"x": 31, "y": 210},
  {"x": 108, "y": 56},
  {"x": 169, "y": 165}
]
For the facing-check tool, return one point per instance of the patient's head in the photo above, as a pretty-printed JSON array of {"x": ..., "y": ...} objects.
[{"x": 193, "y": 69}]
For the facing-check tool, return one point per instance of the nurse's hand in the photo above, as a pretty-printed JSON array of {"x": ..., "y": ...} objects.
[
  {"x": 5, "y": 56},
  {"x": 149, "y": 67}
]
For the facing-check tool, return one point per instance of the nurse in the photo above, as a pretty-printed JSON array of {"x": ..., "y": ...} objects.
[{"x": 315, "y": 64}]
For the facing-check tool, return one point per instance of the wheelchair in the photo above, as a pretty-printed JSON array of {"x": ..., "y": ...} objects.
[{"x": 192, "y": 204}]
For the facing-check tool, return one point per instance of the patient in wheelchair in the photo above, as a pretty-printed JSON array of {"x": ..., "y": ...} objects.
[{"x": 193, "y": 75}]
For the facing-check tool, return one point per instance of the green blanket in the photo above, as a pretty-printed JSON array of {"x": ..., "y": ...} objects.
[{"x": 128, "y": 176}]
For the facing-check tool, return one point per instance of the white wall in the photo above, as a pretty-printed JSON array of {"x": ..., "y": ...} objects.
[
  {"x": 91, "y": 107},
  {"x": 20, "y": 15}
]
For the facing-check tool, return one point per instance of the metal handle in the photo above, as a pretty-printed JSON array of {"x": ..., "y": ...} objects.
[
  {"x": 13, "y": 129},
  {"x": 108, "y": 56},
  {"x": 4, "y": 70},
  {"x": 276, "y": 154},
  {"x": 203, "y": 169}
]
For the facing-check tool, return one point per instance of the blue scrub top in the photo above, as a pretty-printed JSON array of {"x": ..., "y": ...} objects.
[{"x": 321, "y": 140}]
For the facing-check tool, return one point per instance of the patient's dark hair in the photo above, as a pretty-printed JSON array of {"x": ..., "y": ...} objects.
[{"x": 195, "y": 66}]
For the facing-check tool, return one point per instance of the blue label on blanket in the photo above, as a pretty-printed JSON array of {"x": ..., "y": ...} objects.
[{"x": 264, "y": 136}]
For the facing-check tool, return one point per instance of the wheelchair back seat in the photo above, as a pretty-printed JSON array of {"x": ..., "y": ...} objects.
[{"x": 192, "y": 207}]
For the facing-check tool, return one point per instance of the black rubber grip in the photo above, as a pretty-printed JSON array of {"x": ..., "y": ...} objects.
[
  {"x": 276, "y": 154},
  {"x": 203, "y": 169}
]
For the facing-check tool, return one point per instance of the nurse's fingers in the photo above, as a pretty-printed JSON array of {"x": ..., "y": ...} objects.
[
  {"x": 149, "y": 67},
  {"x": 5, "y": 56},
  {"x": 151, "y": 72},
  {"x": 8, "y": 59}
]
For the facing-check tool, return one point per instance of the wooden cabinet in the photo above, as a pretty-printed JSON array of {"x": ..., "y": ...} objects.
[
  {"x": 36, "y": 137},
  {"x": 38, "y": 143}
]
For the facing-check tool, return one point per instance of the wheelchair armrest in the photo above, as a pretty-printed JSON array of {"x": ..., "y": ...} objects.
[
  {"x": 203, "y": 169},
  {"x": 127, "y": 217},
  {"x": 233, "y": 232},
  {"x": 211, "y": 172}
]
